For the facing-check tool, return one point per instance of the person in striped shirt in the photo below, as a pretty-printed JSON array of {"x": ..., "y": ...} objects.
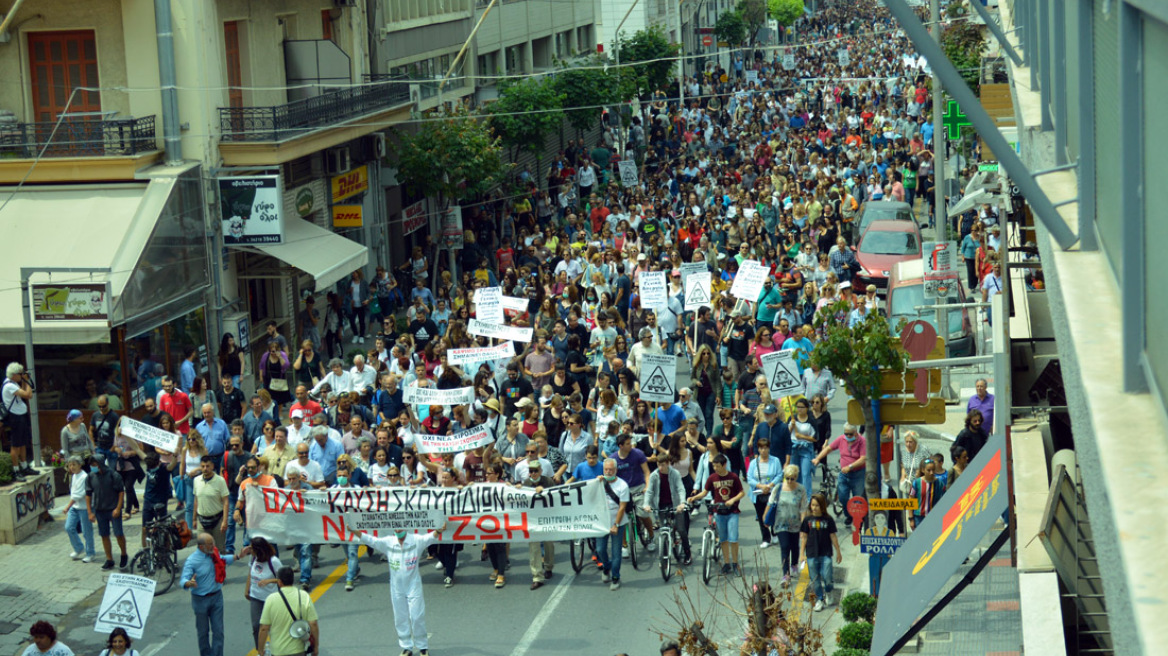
[{"x": 927, "y": 490}]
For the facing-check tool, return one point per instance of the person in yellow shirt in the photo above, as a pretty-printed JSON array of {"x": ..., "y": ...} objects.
[{"x": 289, "y": 605}]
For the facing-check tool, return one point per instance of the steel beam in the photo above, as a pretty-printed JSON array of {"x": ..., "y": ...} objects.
[
  {"x": 1044, "y": 210},
  {"x": 992, "y": 23},
  {"x": 1131, "y": 199}
]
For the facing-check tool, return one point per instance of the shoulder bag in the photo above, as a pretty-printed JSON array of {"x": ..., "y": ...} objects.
[{"x": 300, "y": 628}]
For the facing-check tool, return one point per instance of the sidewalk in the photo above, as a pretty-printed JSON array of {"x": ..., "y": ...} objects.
[{"x": 38, "y": 581}]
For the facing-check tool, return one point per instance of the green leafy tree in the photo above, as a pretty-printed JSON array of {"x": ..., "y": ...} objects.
[
  {"x": 964, "y": 44},
  {"x": 754, "y": 15},
  {"x": 786, "y": 12},
  {"x": 454, "y": 157},
  {"x": 731, "y": 28},
  {"x": 650, "y": 46},
  {"x": 857, "y": 356},
  {"x": 585, "y": 89}
]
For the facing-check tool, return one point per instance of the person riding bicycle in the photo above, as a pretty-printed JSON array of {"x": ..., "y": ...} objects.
[
  {"x": 728, "y": 491},
  {"x": 670, "y": 495},
  {"x": 157, "y": 492}
]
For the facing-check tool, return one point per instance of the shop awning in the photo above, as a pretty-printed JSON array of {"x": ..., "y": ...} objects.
[
  {"x": 93, "y": 227},
  {"x": 327, "y": 256}
]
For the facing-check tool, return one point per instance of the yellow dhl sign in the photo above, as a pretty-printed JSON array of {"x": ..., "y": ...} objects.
[
  {"x": 350, "y": 184},
  {"x": 347, "y": 216}
]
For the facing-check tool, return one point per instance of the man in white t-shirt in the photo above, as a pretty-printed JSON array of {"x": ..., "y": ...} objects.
[
  {"x": 608, "y": 546},
  {"x": 309, "y": 470},
  {"x": 15, "y": 395}
]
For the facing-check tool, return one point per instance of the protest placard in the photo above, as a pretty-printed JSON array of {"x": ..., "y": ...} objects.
[
  {"x": 471, "y": 438},
  {"x": 687, "y": 268},
  {"x": 147, "y": 434},
  {"x": 484, "y": 512},
  {"x": 496, "y": 331},
  {"x": 126, "y": 604},
  {"x": 782, "y": 373},
  {"x": 748, "y": 282},
  {"x": 697, "y": 291},
  {"x": 489, "y": 304},
  {"x": 470, "y": 356},
  {"x": 514, "y": 306},
  {"x": 434, "y": 396},
  {"x": 628, "y": 173},
  {"x": 658, "y": 378},
  {"x": 654, "y": 290}
]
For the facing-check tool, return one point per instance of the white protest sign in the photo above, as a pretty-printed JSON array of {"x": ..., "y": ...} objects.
[
  {"x": 628, "y": 173},
  {"x": 489, "y": 304},
  {"x": 126, "y": 603},
  {"x": 749, "y": 280},
  {"x": 472, "y": 438},
  {"x": 782, "y": 373},
  {"x": 658, "y": 377},
  {"x": 697, "y": 291},
  {"x": 484, "y": 512},
  {"x": 789, "y": 61},
  {"x": 514, "y": 306},
  {"x": 484, "y": 329},
  {"x": 147, "y": 434},
  {"x": 844, "y": 57},
  {"x": 434, "y": 396},
  {"x": 654, "y": 290},
  {"x": 687, "y": 268},
  {"x": 752, "y": 76},
  {"x": 475, "y": 355}
]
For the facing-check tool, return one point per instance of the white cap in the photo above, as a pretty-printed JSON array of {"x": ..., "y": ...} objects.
[{"x": 298, "y": 414}]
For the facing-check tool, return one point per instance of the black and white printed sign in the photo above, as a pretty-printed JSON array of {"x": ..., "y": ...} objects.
[
  {"x": 658, "y": 378},
  {"x": 782, "y": 373}
]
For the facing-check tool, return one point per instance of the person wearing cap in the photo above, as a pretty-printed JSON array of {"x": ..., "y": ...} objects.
[
  {"x": 298, "y": 430},
  {"x": 853, "y": 458}
]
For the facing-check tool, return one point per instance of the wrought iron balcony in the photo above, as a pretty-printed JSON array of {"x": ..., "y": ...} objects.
[
  {"x": 78, "y": 137},
  {"x": 296, "y": 118}
]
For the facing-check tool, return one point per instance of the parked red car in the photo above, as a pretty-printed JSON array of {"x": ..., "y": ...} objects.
[{"x": 881, "y": 246}]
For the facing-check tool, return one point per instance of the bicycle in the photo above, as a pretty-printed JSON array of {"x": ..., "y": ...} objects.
[
  {"x": 829, "y": 490},
  {"x": 637, "y": 541},
  {"x": 711, "y": 553},
  {"x": 159, "y": 559},
  {"x": 668, "y": 541},
  {"x": 577, "y": 549}
]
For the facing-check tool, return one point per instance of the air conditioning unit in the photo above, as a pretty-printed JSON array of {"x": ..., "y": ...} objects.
[
  {"x": 337, "y": 161},
  {"x": 377, "y": 141}
]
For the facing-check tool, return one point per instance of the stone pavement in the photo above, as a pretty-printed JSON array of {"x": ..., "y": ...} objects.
[{"x": 38, "y": 581}]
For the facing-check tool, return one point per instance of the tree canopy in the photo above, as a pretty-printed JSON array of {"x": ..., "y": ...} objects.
[
  {"x": 786, "y": 12},
  {"x": 754, "y": 15},
  {"x": 528, "y": 109},
  {"x": 651, "y": 46},
  {"x": 585, "y": 89},
  {"x": 459, "y": 144},
  {"x": 731, "y": 28}
]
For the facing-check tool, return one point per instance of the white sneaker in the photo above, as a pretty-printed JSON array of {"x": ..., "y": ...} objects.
[
  {"x": 764, "y": 545},
  {"x": 438, "y": 565},
  {"x": 76, "y": 555},
  {"x": 819, "y": 605},
  {"x": 356, "y": 339},
  {"x": 614, "y": 586},
  {"x": 604, "y": 577},
  {"x": 624, "y": 552},
  {"x": 652, "y": 546},
  {"x": 87, "y": 559}
]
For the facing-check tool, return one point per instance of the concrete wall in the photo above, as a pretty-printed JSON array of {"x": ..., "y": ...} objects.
[{"x": 514, "y": 23}]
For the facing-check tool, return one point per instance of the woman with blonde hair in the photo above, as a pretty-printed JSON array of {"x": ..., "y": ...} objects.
[{"x": 785, "y": 511}]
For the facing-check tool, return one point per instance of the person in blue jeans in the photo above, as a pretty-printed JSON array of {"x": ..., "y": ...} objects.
[
  {"x": 76, "y": 519},
  {"x": 350, "y": 476},
  {"x": 853, "y": 457},
  {"x": 609, "y": 545},
  {"x": 294, "y": 480},
  {"x": 817, "y": 540},
  {"x": 198, "y": 576}
]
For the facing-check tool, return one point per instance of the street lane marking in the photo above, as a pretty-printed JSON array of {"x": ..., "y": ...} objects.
[
  {"x": 801, "y": 588},
  {"x": 544, "y": 615}
]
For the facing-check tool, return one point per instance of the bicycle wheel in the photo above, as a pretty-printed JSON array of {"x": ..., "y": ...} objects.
[
  {"x": 709, "y": 558},
  {"x": 154, "y": 567},
  {"x": 577, "y": 550},
  {"x": 664, "y": 544}
]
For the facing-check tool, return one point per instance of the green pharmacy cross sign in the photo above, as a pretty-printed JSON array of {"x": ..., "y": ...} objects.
[{"x": 954, "y": 120}]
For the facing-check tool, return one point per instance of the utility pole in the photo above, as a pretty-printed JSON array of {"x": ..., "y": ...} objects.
[{"x": 941, "y": 218}]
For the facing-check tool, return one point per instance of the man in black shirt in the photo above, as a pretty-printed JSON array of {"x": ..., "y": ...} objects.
[
  {"x": 738, "y": 342},
  {"x": 423, "y": 329},
  {"x": 230, "y": 399},
  {"x": 235, "y": 470},
  {"x": 514, "y": 388},
  {"x": 577, "y": 328}
]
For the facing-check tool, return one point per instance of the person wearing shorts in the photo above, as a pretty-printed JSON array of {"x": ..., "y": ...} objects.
[
  {"x": 728, "y": 491},
  {"x": 15, "y": 395},
  {"x": 104, "y": 496}
]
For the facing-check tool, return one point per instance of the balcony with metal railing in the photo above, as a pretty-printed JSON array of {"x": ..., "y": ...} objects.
[
  {"x": 329, "y": 109},
  {"x": 78, "y": 137}
]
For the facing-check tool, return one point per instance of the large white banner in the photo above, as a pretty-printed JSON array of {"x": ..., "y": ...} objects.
[
  {"x": 147, "y": 434},
  {"x": 489, "y": 304},
  {"x": 483, "y": 512},
  {"x": 496, "y": 331},
  {"x": 782, "y": 373},
  {"x": 697, "y": 291},
  {"x": 471, "y": 438},
  {"x": 484, "y": 354},
  {"x": 748, "y": 282},
  {"x": 126, "y": 603},
  {"x": 654, "y": 290},
  {"x": 434, "y": 396},
  {"x": 658, "y": 377}
]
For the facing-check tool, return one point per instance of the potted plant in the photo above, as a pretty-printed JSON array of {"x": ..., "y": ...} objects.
[{"x": 55, "y": 460}]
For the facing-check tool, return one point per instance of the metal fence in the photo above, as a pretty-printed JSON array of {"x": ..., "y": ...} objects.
[
  {"x": 295, "y": 118},
  {"x": 78, "y": 137}
]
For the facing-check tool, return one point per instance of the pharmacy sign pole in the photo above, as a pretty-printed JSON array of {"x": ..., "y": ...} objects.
[{"x": 26, "y": 310}]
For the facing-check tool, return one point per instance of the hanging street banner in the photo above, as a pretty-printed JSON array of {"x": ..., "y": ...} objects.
[
  {"x": 434, "y": 396},
  {"x": 465, "y": 356},
  {"x": 749, "y": 280},
  {"x": 941, "y": 543},
  {"x": 496, "y": 331},
  {"x": 782, "y": 373},
  {"x": 628, "y": 173},
  {"x": 489, "y": 304},
  {"x": 147, "y": 434},
  {"x": 488, "y": 512},
  {"x": 471, "y": 438},
  {"x": 654, "y": 290},
  {"x": 251, "y": 210},
  {"x": 451, "y": 223},
  {"x": 70, "y": 302},
  {"x": 658, "y": 378},
  {"x": 941, "y": 274},
  {"x": 126, "y": 604},
  {"x": 697, "y": 291}
]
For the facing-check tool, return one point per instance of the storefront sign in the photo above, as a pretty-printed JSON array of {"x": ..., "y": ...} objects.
[
  {"x": 893, "y": 504},
  {"x": 880, "y": 546},
  {"x": 941, "y": 274},
  {"x": 472, "y": 438},
  {"x": 243, "y": 338},
  {"x": 414, "y": 217},
  {"x": 487, "y": 512},
  {"x": 347, "y": 216},
  {"x": 250, "y": 209},
  {"x": 350, "y": 184},
  {"x": 71, "y": 302},
  {"x": 305, "y": 202}
]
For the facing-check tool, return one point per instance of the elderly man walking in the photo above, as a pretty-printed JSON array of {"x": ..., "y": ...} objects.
[{"x": 203, "y": 574}]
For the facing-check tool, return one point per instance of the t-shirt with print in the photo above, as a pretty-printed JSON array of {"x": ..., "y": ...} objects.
[
  {"x": 819, "y": 531},
  {"x": 725, "y": 488}
]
